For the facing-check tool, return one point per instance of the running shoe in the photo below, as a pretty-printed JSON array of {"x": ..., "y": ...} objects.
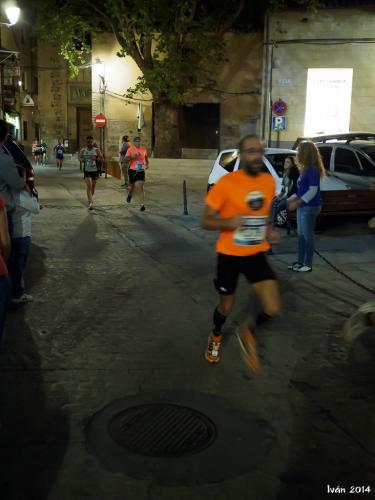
[
  {"x": 128, "y": 199},
  {"x": 249, "y": 350},
  {"x": 91, "y": 206},
  {"x": 143, "y": 208},
  {"x": 295, "y": 266},
  {"x": 212, "y": 353},
  {"x": 303, "y": 269},
  {"x": 23, "y": 299}
]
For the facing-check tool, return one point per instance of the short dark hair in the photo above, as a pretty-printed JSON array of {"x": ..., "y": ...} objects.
[
  {"x": 125, "y": 138},
  {"x": 89, "y": 137},
  {"x": 4, "y": 130},
  {"x": 246, "y": 138}
]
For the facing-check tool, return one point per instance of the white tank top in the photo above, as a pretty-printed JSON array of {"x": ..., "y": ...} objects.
[{"x": 89, "y": 161}]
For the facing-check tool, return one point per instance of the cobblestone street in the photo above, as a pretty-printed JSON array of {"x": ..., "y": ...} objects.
[{"x": 123, "y": 302}]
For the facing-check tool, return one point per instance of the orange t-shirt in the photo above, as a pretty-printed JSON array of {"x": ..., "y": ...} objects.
[
  {"x": 140, "y": 162},
  {"x": 240, "y": 194}
]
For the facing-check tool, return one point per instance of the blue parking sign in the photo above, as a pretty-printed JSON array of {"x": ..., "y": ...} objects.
[{"x": 279, "y": 123}]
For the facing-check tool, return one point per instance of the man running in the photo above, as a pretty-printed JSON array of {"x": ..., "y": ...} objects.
[
  {"x": 138, "y": 157},
  {"x": 59, "y": 151},
  {"x": 90, "y": 156},
  {"x": 239, "y": 207}
]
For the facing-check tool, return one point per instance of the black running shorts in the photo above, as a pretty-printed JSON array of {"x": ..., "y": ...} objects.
[
  {"x": 94, "y": 175},
  {"x": 254, "y": 267},
  {"x": 136, "y": 175}
]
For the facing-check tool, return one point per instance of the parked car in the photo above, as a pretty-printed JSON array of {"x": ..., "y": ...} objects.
[
  {"x": 338, "y": 197},
  {"x": 11, "y": 148},
  {"x": 350, "y": 157}
]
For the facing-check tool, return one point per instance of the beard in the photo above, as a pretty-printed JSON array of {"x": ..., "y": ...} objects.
[{"x": 253, "y": 168}]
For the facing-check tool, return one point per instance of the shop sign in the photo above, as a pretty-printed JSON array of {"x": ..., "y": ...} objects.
[{"x": 79, "y": 93}]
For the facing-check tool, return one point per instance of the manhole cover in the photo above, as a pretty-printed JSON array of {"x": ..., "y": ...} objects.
[{"x": 162, "y": 430}]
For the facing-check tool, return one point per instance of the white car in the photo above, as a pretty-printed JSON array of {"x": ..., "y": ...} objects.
[{"x": 228, "y": 161}]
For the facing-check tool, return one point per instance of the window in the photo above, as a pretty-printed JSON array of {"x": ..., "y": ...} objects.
[
  {"x": 370, "y": 151},
  {"x": 368, "y": 167},
  {"x": 24, "y": 128},
  {"x": 228, "y": 160},
  {"x": 8, "y": 77},
  {"x": 325, "y": 153},
  {"x": 277, "y": 161},
  {"x": 328, "y": 100},
  {"x": 346, "y": 162}
]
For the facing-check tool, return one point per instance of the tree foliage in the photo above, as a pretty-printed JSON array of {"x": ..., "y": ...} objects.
[{"x": 176, "y": 44}]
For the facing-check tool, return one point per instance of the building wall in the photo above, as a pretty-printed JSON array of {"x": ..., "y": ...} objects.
[
  {"x": 239, "y": 79},
  {"x": 295, "y": 59},
  {"x": 120, "y": 74}
]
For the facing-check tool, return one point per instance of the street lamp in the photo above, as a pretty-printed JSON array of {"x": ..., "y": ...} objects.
[{"x": 13, "y": 14}]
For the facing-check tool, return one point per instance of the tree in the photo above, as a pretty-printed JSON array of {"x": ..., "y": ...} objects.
[{"x": 176, "y": 45}]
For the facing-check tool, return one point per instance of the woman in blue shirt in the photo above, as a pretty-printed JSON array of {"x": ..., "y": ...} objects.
[
  {"x": 308, "y": 203},
  {"x": 59, "y": 150}
]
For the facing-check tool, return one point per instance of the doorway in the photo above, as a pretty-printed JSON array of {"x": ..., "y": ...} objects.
[
  {"x": 84, "y": 126},
  {"x": 200, "y": 126}
]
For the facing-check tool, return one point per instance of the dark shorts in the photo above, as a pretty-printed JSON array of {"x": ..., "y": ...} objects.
[
  {"x": 255, "y": 268},
  {"x": 136, "y": 175},
  {"x": 59, "y": 157},
  {"x": 94, "y": 175}
]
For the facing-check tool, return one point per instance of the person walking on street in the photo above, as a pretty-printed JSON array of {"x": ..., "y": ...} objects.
[
  {"x": 239, "y": 206},
  {"x": 5, "y": 283},
  {"x": 89, "y": 157},
  {"x": 59, "y": 151},
  {"x": 308, "y": 203},
  {"x": 138, "y": 158},
  {"x": 124, "y": 165},
  {"x": 24, "y": 206}
]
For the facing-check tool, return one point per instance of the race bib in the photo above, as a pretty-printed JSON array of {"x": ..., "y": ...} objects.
[
  {"x": 139, "y": 165},
  {"x": 251, "y": 232}
]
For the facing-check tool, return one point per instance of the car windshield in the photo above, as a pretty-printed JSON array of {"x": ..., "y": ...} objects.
[{"x": 277, "y": 161}]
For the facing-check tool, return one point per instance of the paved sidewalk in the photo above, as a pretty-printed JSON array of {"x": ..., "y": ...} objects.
[{"x": 123, "y": 305}]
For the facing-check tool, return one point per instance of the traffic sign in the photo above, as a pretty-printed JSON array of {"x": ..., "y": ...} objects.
[
  {"x": 279, "y": 107},
  {"x": 100, "y": 120},
  {"x": 279, "y": 123}
]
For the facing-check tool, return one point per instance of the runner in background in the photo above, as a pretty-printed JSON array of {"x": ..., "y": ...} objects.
[
  {"x": 36, "y": 151},
  {"x": 43, "y": 152},
  {"x": 59, "y": 151},
  {"x": 123, "y": 162},
  {"x": 138, "y": 158},
  {"x": 239, "y": 207},
  {"x": 89, "y": 156}
]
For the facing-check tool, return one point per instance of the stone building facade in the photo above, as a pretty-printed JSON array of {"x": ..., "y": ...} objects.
[{"x": 330, "y": 40}]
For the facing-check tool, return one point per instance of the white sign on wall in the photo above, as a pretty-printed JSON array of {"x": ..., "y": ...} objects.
[{"x": 328, "y": 100}]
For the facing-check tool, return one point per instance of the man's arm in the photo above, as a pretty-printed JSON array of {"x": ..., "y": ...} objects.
[{"x": 212, "y": 222}]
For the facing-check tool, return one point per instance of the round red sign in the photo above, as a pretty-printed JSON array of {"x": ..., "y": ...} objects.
[
  {"x": 279, "y": 107},
  {"x": 100, "y": 120}
]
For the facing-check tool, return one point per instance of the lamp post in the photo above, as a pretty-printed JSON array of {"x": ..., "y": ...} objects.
[{"x": 99, "y": 65}]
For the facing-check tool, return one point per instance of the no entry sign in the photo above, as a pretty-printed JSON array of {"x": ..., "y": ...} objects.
[{"x": 100, "y": 120}]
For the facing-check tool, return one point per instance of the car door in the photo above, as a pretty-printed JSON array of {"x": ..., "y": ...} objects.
[{"x": 347, "y": 167}]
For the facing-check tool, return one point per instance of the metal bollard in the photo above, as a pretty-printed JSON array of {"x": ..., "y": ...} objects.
[{"x": 184, "y": 195}]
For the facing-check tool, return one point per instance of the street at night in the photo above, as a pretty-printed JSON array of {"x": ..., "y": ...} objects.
[
  {"x": 121, "y": 306},
  {"x": 187, "y": 249}
]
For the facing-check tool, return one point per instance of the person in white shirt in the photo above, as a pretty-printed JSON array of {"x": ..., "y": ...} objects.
[{"x": 24, "y": 206}]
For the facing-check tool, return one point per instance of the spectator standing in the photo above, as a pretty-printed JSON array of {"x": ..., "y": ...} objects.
[
  {"x": 10, "y": 181},
  {"x": 24, "y": 206},
  {"x": 5, "y": 283},
  {"x": 308, "y": 203},
  {"x": 124, "y": 164},
  {"x": 59, "y": 151}
]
